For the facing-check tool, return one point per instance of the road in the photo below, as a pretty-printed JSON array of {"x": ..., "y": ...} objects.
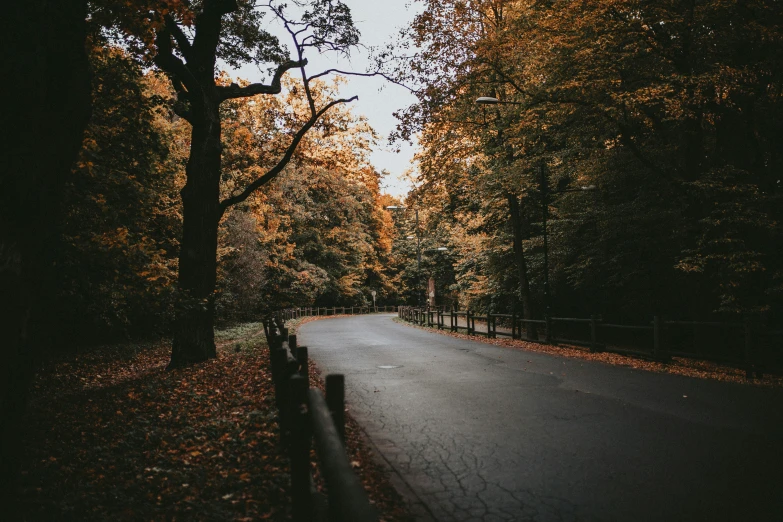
[{"x": 477, "y": 432}]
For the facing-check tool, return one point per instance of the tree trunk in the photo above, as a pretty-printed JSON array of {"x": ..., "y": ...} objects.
[
  {"x": 46, "y": 111},
  {"x": 519, "y": 257},
  {"x": 194, "y": 337}
]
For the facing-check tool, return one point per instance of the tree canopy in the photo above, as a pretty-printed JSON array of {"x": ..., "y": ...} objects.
[{"x": 671, "y": 110}]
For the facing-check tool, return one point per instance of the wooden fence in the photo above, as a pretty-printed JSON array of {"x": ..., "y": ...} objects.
[
  {"x": 744, "y": 344},
  {"x": 296, "y": 313},
  {"x": 306, "y": 416}
]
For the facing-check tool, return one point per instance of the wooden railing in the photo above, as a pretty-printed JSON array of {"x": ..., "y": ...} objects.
[
  {"x": 744, "y": 344},
  {"x": 306, "y": 416},
  {"x": 296, "y": 313}
]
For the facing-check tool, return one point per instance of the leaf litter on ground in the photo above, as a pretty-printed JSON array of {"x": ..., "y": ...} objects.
[
  {"x": 110, "y": 434},
  {"x": 677, "y": 365}
]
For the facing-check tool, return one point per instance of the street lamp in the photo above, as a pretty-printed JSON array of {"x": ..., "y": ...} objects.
[
  {"x": 489, "y": 100},
  {"x": 545, "y": 193}
]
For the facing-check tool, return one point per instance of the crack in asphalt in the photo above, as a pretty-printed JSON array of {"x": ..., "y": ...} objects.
[{"x": 488, "y": 441}]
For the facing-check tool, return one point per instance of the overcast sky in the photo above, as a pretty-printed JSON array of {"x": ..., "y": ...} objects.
[{"x": 379, "y": 23}]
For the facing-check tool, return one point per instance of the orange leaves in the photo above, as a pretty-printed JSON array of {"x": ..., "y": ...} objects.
[{"x": 132, "y": 437}]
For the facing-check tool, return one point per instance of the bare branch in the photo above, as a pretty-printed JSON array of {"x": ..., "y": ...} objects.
[
  {"x": 351, "y": 73},
  {"x": 235, "y": 91},
  {"x": 289, "y": 153}
]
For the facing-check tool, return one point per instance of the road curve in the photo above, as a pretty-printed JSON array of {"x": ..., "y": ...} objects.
[{"x": 485, "y": 433}]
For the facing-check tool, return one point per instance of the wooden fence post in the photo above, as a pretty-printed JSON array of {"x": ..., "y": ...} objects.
[
  {"x": 335, "y": 399},
  {"x": 594, "y": 333},
  {"x": 280, "y": 382},
  {"x": 292, "y": 344},
  {"x": 660, "y": 350},
  {"x": 549, "y": 336},
  {"x": 290, "y": 368},
  {"x": 467, "y": 320},
  {"x": 304, "y": 367},
  {"x": 299, "y": 450},
  {"x": 752, "y": 362},
  {"x": 490, "y": 326}
]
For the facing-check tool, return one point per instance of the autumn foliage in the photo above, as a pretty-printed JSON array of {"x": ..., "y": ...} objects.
[
  {"x": 111, "y": 435},
  {"x": 317, "y": 235},
  {"x": 670, "y": 110}
]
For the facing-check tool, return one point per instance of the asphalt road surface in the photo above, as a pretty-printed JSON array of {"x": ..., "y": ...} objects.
[{"x": 477, "y": 432}]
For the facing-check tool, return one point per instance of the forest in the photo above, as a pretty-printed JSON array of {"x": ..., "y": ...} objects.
[
  {"x": 316, "y": 235},
  {"x": 643, "y": 138},
  {"x": 619, "y": 158}
]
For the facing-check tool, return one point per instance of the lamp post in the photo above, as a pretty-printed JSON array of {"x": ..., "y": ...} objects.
[
  {"x": 545, "y": 193},
  {"x": 489, "y": 100}
]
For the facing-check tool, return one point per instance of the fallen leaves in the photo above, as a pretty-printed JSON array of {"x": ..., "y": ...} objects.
[
  {"x": 678, "y": 365},
  {"x": 112, "y": 435}
]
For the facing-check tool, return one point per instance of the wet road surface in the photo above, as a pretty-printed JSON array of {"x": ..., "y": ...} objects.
[{"x": 476, "y": 432}]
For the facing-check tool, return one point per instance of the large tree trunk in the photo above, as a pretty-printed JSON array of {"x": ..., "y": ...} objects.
[
  {"x": 194, "y": 337},
  {"x": 519, "y": 257},
  {"x": 46, "y": 109}
]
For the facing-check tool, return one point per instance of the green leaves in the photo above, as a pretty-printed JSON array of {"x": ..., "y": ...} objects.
[{"x": 669, "y": 110}]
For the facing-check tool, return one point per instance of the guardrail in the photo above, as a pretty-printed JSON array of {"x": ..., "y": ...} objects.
[
  {"x": 744, "y": 344},
  {"x": 306, "y": 416}
]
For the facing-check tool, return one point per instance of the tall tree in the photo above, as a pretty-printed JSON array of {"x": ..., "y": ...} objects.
[
  {"x": 459, "y": 57},
  {"x": 669, "y": 107},
  {"x": 187, "y": 45}
]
